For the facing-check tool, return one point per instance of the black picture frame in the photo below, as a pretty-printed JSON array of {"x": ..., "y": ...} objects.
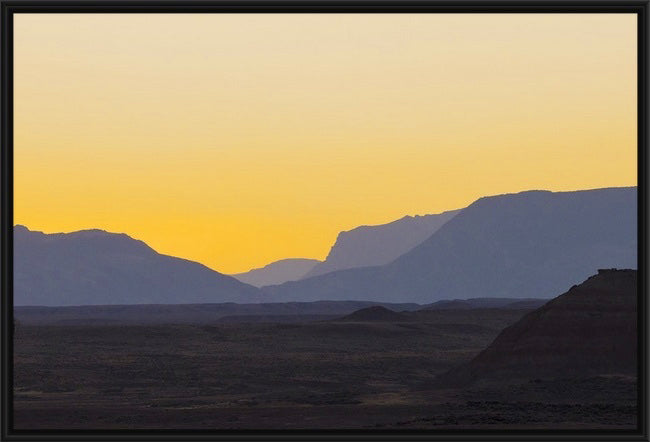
[{"x": 11, "y": 7}]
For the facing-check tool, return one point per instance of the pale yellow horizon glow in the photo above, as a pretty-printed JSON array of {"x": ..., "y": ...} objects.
[{"x": 239, "y": 139}]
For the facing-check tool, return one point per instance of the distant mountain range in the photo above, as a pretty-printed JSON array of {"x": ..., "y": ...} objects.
[
  {"x": 257, "y": 312},
  {"x": 589, "y": 330},
  {"x": 96, "y": 267},
  {"x": 278, "y": 272},
  {"x": 525, "y": 245},
  {"x": 376, "y": 313},
  {"x": 505, "y": 303},
  {"x": 362, "y": 246},
  {"x": 366, "y": 246},
  {"x": 192, "y": 313}
]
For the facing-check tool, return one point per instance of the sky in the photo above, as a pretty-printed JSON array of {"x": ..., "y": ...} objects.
[{"x": 239, "y": 139}]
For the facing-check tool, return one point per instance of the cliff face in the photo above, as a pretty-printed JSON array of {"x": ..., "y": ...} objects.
[
  {"x": 367, "y": 246},
  {"x": 589, "y": 330}
]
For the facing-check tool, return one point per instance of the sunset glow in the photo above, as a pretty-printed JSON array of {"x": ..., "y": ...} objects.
[{"x": 239, "y": 139}]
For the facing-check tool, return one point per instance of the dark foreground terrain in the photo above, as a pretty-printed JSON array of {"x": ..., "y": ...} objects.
[{"x": 374, "y": 372}]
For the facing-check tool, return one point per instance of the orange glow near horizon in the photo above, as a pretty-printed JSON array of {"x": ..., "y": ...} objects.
[{"x": 239, "y": 139}]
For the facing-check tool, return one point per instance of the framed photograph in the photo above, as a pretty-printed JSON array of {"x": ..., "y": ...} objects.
[{"x": 294, "y": 220}]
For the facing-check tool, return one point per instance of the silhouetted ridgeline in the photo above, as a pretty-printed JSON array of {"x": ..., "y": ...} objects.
[
  {"x": 525, "y": 245},
  {"x": 96, "y": 267},
  {"x": 589, "y": 330},
  {"x": 277, "y": 272},
  {"x": 231, "y": 312},
  {"x": 473, "y": 303},
  {"x": 366, "y": 246},
  {"x": 376, "y": 313},
  {"x": 191, "y": 313}
]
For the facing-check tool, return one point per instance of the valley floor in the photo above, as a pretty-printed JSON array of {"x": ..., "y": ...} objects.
[{"x": 311, "y": 375}]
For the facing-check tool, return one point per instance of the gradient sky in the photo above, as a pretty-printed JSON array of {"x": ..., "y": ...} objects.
[{"x": 239, "y": 139}]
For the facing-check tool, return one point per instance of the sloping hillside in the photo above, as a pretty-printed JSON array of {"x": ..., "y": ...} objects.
[
  {"x": 525, "y": 245},
  {"x": 589, "y": 330},
  {"x": 375, "y": 313},
  {"x": 96, "y": 267},
  {"x": 277, "y": 272},
  {"x": 378, "y": 245}
]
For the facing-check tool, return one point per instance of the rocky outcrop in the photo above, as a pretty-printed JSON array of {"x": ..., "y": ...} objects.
[{"x": 589, "y": 330}]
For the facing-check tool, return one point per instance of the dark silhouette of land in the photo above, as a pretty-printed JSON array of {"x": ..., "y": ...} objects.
[
  {"x": 239, "y": 375},
  {"x": 210, "y": 313},
  {"x": 366, "y": 246},
  {"x": 96, "y": 267},
  {"x": 454, "y": 304},
  {"x": 278, "y": 272},
  {"x": 591, "y": 330},
  {"x": 458, "y": 331},
  {"x": 376, "y": 313},
  {"x": 374, "y": 368},
  {"x": 189, "y": 313},
  {"x": 524, "y": 245}
]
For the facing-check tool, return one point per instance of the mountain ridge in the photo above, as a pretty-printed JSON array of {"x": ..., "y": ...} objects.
[
  {"x": 277, "y": 272},
  {"x": 371, "y": 245},
  {"x": 524, "y": 245},
  {"x": 519, "y": 245},
  {"x": 98, "y": 267}
]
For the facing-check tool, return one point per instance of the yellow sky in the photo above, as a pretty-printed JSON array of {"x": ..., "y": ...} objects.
[{"x": 236, "y": 140}]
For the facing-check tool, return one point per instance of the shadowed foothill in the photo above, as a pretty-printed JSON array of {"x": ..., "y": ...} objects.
[
  {"x": 589, "y": 330},
  {"x": 376, "y": 313}
]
